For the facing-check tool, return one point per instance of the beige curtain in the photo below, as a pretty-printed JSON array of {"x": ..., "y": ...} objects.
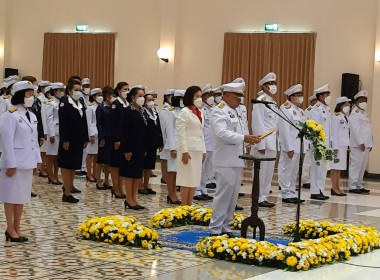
[
  {"x": 251, "y": 56},
  {"x": 85, "y": 55}
]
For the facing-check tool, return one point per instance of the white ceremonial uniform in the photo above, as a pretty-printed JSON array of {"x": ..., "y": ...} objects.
[
  {"x": 92, "y": 149},
  {"x": 52, "y": 118},
  {"x": 228, "y": 139},
  {"x": 43, "y": 148},
  {"x": 172, "y": 139},
  {"x": 163, "y": 116},
  {"x": 340, "y": 140},
  {"x": 207, "y": 174},
  {"x": 307, "y": 159},
  {"x": 360, "y": 133},
  {"x": 289, "y": 141},
  {"x": 264, "y": 120},
  {"x": 86, "y": 99},
  {"x": 21, "y": 151},
  {"x": 5, "y": 104},
  {"x": 321, "y": 114},
  {"x": 42, "y": 98}
]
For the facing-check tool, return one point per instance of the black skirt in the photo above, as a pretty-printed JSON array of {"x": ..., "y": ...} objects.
[
  {"x": 104, "y": 154},
  {"x": 72, "y": 158},
  {"x": 150, "y": 159},
  {"x": 133, "y": 168},
  {"x": 116, "y": 155}
]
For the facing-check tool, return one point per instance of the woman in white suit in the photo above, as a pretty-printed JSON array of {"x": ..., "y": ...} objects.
[
  {"x": 191, "y": 144},
  {"x": 21, "y": 155}
]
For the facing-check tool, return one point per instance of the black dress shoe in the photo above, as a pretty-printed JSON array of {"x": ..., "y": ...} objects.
[
  {"x": 318, "y": 196},
  {"x": 238, "y": 208},
  {"x": 266, "y": 204},
  {"x": 326, "y": 197},
  {"x": 365, "y": 191},
  {"x": 107, "y": 186},
  {"x": 32, "y": 194},
  {"x": 211, "y": 186},
  {"x": 337, "y": 194},
  {"x": 143, "y": 191},
  {"x": 75, "y": 190},
  {"x": 292, "y": 200},
  {"x": 8, "y": 237},
  {"x": 241, "y": 194},
  {"x": 24, "y": 238},
  {"x": 79, "y": 173},
  {"x": 163, "y": 182},
  {"x": 150, "y": 191},
  {"x": 69, "y": 199},
  {"x": 84, "y": 173},
  {"x": 43, "y": 176},
  {"x": 229, "y": 234},
  {"x": 207, "y": 197},
  {"x": 199, "y": 197},
  {"x": 306, "y": 186}
]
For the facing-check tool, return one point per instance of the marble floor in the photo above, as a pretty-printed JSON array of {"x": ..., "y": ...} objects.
[{"x": 53, "y": 251}]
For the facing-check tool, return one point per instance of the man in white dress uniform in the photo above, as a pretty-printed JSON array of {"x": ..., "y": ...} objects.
[
  {"x": 228, "y": 140},
  {"x": 361, "y": 143}
]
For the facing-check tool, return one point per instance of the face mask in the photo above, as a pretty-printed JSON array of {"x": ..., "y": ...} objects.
[
  {"x": 99, "y": 99},
  {"x": 124, "y": 94},
  {"x": 198, "y": 102},
  {"x": 77, "y": 95},
  {"x": 86, "y": 91},
  {"x": 140, "y": 101},
  {"x": 150, "y": 104},
  {"x": 363, "y": 105},
  {"x": 28, "y": 101},
  {"x": 300, "y": 100},
  {"x": 60, "y": 95},
  {"x": 218, "y": 99},
  {"x": 210, "y": 101},
  {"x": 328, "y": 100},
  {"x": 242, "y": 100},
  {"x": 113, "y": 98},
  {"x": 181, "y": 104},
  {"x": 346, "y": 109},
  {"x": 273, "y": 89}
]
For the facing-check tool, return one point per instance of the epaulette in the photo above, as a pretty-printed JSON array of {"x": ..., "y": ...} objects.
[
  {"x": 45, "y": 101},
  {"x": 318, "y": 104},
  {"x": 337, "y": 114},
  {"x": 38, "y": 95},
  {"x": 287, "y": 105},
  {"x": 91, "y": 104},
  {"x": 357, "y": 110},
  {"x": 264, "y": 98},
  {"x": 50, "y": 99},
  {"x": 13, "y": 109},
  {"x": 221, "y": 105},
  {"x": 200, "y": 107},
  {"x": 5, "y": 96},
  {"x": 171, "y": 108}
]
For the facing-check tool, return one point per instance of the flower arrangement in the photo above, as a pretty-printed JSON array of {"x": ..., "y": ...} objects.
[
  {"x": 118, "y": 230},
  {"x": 188, "y": 215},
  {"x": 315, "y": 133},
  {"x": 350, "y": 240}
]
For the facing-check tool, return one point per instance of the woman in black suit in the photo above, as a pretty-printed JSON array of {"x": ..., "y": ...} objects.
[
  {"x": 117, "y": 111},
  {"x": 73, "y": 137},
  {"x": 134, "y": 137}
]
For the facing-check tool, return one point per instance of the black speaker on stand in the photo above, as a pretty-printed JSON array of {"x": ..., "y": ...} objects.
[{"x": 10, "y": 72}]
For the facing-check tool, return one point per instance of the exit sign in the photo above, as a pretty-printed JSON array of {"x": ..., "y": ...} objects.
[
  {"x": 82, "y": 27},
  {"x": 272, "y": 27}
]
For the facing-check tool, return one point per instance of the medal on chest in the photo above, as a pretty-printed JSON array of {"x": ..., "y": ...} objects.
[{"x": 231, "y": 114}]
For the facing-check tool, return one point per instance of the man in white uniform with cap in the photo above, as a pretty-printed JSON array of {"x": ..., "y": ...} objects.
[
  {"x": 228, "y": 139},
  {"x": 218, "y": 96},
  {"x": 290, "y": 143},
  {"x": 208, "y": 101},
  {"x": 361, "y": 143},
  {"x": 307, "y": 159},
  {"x": 321, "y": 114},
  {"x": 263, "y": 121}
]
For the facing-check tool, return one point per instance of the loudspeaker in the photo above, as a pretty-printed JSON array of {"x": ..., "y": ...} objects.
[
  {"x": 9, "y": 72},
  {"x": 350, "y": 85}
]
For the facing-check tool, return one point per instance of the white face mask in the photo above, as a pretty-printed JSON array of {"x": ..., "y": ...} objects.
[
  {"x": 140, "y": 101},
  {"x": 99, "y": 99},
  {"x": 273, "y": 89},
  {"x": 363, "y": 105},
  {"x": 210, "y": 100},
  {"x": 86, "y": 91},
  {"x": 150, "y": 104},
  {"x": 328, "y": 100},
  {"x": 218, "y": 99},
  {"x": 300, "y": 100},
  {"x": 198, "y": 102},
  {"x": 346, "y": 109},
  {"x": 124, "y": 94},
  {"x": 60, "y": 95},
  {"x": 28, "y": 101},
  {"x": 242, "y": 100},
  {"x": 113, "y": 98},
  {"x": 77, "y": 95},
  {"x": 181, "y": 104}
]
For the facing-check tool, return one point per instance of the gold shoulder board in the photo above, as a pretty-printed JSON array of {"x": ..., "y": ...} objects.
[
  {"x": 357, "y": 110},
  {"x": 13, "y": 109},
  {"x": 171, "y": 108},
  {"x": 318, "y": 104},
  {"x": 264, "y": 98},
  {"x": 5, "y": 96},
  {"x": 287, "y": 106},
  {"x": 51, "y": 99},
  {"x": 221, "y": 105},
  {"x": 337, "y": 114},
  {"x": 91, "y": 104}
]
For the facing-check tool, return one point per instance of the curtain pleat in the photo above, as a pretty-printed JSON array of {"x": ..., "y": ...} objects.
[{"x": 85, "y": 55}]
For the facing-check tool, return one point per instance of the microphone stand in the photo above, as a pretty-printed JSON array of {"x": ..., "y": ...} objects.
[{"x": 301, "y": 135}]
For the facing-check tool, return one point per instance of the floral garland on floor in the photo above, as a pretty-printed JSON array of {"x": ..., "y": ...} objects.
[
  {"x": 188, "y": 215},
  {"x": 118, "y": 230},
  {"x": 351, "y": 240}
]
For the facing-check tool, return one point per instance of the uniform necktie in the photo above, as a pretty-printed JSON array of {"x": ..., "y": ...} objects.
[
  {"x": 27, "y": 115},
  {"x": 346, "y": 119}
]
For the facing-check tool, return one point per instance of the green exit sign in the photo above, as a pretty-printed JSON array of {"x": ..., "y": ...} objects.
[
  {"x": 82, "y": 27},
  {"x": 272, "y": 27}
]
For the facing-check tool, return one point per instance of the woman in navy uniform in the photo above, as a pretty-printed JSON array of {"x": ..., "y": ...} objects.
[
  {"x": 20, "y": 157},
  {"x": 103, "y": 124},
  {"x": 155, "y": 141},
  {"x": 117, "y": 109},
  {"x": 134, "y": 146},
  {"x": 73, "y": 134}
]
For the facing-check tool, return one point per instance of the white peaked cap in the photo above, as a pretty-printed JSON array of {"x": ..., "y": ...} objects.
[
  {"x": 238, "y": 80},
  {"x": 8, "y": 84},
  {"x": 360, "y": 94},
  {"x": 293, "y": 89},
  {"x": 234, "y": 87},
  {"x": 270, "y": 77},
  {"x": 48, "y": 88},
  {"x": 151, "y": 92},
  {"x": 57, "y": 85},
  {"x": 342, "y": 99},
  {"x": 217, "y": 90},
  {"x": 18, "y": 86},
  {"x": 169, "y": 92},
  {"x": 138, "y": 86},
  {"x": 322, "y": 89},
  {"x": 179, "y": 92},
  {"x": 207, "y": 88},
  {"x": 44, "y": 83},
  {"x": 314, "y": 96},
  {"x": 95, "y": 91},
  {"x": 260, "y": 93},
  {"x": 85, "y": 81},
  {"x": 11, "y": 78}
]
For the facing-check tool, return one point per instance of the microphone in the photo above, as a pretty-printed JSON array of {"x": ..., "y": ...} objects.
[{"x": 255, "y": 101}]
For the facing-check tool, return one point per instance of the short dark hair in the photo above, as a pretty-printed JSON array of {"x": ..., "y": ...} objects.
[
  {"x": 165, "y": 99},
  {"x": 74, "y": 78},
  {"x": 133, "y": 92},
  {"x": 188, "y": 99},
  {"x": 29, "y": 78},
  {"x": 176, "y": 101},
  {"x": 338, "y": 107},
  {"x": 107, "y": 90},
  {"x": 71, "y": 85},
  {"x": 119, "y": 86},
  {"x": 18, "y": 97}
]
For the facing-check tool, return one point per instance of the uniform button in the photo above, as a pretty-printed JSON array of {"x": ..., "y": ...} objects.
[{"x": 32, "y": 149}]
